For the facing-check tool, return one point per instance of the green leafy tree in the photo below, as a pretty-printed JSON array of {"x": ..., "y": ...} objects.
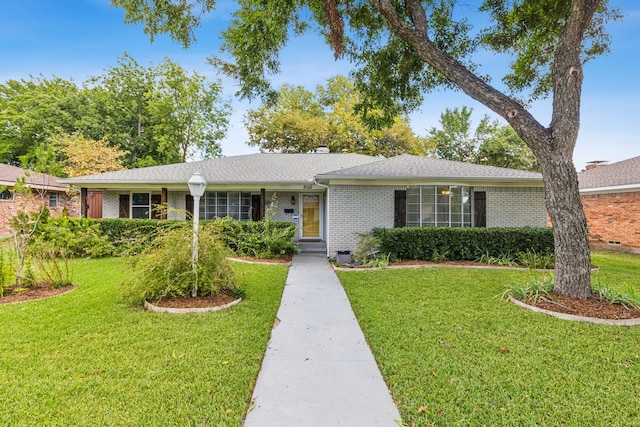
[
  {"x": 454, "y": 139},
  {"x": 33, "y": 110},
  {"x": 489, "y": 144},
  {"x": 120, "y": 112},
  {"x": 299, "y": 120},
  {"x": 504, "y": 148},
  {"x": 156, "y": 114},
  {"x": 403, "y": 49},
  {"x": 188, "y": 113}
]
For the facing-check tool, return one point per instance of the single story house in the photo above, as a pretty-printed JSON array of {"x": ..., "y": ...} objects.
[
  {"x": 42, "y": 189},
  {"x": 332, "y": 197},
  {"x": 610, "y": 196}
]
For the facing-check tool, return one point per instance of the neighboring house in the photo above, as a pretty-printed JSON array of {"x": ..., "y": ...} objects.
[
  {"x": 330, "y": 196},
  {"x": 42, "y": 189},
  {"x": 611, "y": 199}
]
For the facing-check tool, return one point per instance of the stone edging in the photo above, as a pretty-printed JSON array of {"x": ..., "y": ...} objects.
[
  {"x": 574, "y": 318},
  {"x": 171, "y": 310}
]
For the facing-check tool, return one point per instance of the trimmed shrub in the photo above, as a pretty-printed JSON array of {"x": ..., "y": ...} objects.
[
  {"x": 123, "y": 236},
  {"x": 132, "y": 236},
  {"x": 78, "y": 237},
  {"x": 425, "y": 243}
]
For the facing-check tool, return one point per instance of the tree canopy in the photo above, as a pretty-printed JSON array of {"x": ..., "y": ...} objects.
[
  {"x": 299, "y": 120},
  {"x": 157, "y": 115},
  {"x": 489, "y": 144},
  {"x": 403, "y": 49},
  {"x": 86, "y": 157}
]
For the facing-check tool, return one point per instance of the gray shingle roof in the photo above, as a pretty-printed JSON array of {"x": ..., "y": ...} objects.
[
  {"x": 409, "y": 166},
  {"x": 9, "y": 174},
  {"x": 626, "y": 172},
  {"x": 249, "y": 168}
]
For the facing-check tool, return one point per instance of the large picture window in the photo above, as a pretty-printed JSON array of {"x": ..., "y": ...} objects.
[
  {"x": 438, "y": 206},
  {"x": 219, "y": 204}
]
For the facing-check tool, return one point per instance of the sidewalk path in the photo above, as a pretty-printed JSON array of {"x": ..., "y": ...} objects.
[{"x": 318, "y": 369}]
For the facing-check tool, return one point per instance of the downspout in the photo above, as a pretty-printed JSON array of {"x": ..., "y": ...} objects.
[{"x": 315, "y": 181}]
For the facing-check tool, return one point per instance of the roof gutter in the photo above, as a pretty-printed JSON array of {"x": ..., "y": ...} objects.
[{"x": 611, "y": 189}]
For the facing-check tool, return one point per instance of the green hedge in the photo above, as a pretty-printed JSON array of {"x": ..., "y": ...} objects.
[
  {"x": 265, "y": 239},
  {"x": 437, "y": 243}
]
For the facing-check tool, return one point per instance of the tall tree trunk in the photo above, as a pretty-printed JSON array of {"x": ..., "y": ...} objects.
[
  {"x": 553, "y": 146},
  {"x": 573, "y": 261}
]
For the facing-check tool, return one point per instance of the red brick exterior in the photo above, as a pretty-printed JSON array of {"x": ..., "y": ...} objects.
[
  {"x": 613, "y": 220},
  {"x": 32, "y": 202}
]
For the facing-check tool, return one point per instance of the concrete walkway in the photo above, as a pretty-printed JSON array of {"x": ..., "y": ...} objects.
[{"x": 318, "y": 369}]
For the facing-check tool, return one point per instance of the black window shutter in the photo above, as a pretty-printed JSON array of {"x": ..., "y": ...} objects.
[
  {"x": 479, "y": 209},
  {"x": 400, "y": 208}
]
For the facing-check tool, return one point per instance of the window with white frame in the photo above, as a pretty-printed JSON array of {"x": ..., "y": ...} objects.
[
  {"x": 53, "y": 200},
  {"x": 140, "y": 205},
  {"x": 219, "y": 204},
  {"x": 439, "y": 206}
]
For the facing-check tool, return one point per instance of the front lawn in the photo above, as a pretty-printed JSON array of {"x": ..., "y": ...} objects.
[
  {"x": 86, "y": 358},
  {"x": 455, "y": 355}
]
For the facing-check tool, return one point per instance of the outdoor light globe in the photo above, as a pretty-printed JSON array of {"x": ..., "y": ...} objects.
[{"x": 197, "y": 185}]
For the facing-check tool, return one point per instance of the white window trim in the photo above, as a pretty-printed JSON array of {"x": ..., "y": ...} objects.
[{"x": 463, "y": 224}]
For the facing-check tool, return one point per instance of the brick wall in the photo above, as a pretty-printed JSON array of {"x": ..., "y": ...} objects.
[
  {"x": 283, "y": 201},
  {"x": 111, "y": 204},
  {"x": 176, "y": 201},
  {"x": 32, "y": 203},
  {"x": 515, "y": 206},
  {"x": 357, "y": 209},
  {"x": 613, "y": 220}
]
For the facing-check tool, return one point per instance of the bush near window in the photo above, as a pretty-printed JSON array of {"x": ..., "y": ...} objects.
[
  {"x": 132, "y": 236},
  {"x": 263, "y": 239},
  {"x": 428, "y": 243},
  {"x": 71, "y": 237}
]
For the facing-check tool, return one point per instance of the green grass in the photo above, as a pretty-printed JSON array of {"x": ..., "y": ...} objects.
[
  {"x": 86, "y": 358},
  {"x": 455, "y": 355}
]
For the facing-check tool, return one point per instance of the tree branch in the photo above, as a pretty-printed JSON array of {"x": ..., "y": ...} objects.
[
  {"x": 567, "y": 72},
  {"x": 418, "y": 16},
  {"x": 514, "y": 113}
]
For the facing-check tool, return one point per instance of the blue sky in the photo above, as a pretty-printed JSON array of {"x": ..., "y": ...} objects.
[{"x": 75, "y": 39}]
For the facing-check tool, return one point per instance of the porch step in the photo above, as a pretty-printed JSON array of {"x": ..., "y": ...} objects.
[{"x": 315, "y": 247}]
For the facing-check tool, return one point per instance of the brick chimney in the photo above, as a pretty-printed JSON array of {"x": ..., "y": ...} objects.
[{"x": 596, "y": 164}]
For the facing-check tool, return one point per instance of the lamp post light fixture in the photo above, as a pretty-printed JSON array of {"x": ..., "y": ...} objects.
[{"x": 197, "y": 185}]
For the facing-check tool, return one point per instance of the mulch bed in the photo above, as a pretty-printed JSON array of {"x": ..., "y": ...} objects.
[
  {"x": 591, "y": 307},
  {"x": 35, "y": 292}
]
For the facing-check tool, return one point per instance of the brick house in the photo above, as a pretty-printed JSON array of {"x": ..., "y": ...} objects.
[
  {"x": 611, "y": 199},
  {"x": 42, "y": 189},
  {"x": 330, "y": 196}
]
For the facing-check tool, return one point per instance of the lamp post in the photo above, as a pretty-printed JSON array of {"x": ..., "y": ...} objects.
[{"x": 197, "y": 185}]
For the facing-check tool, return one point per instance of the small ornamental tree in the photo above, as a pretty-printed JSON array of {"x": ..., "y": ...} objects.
[{"x": 164, "y": 269}]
